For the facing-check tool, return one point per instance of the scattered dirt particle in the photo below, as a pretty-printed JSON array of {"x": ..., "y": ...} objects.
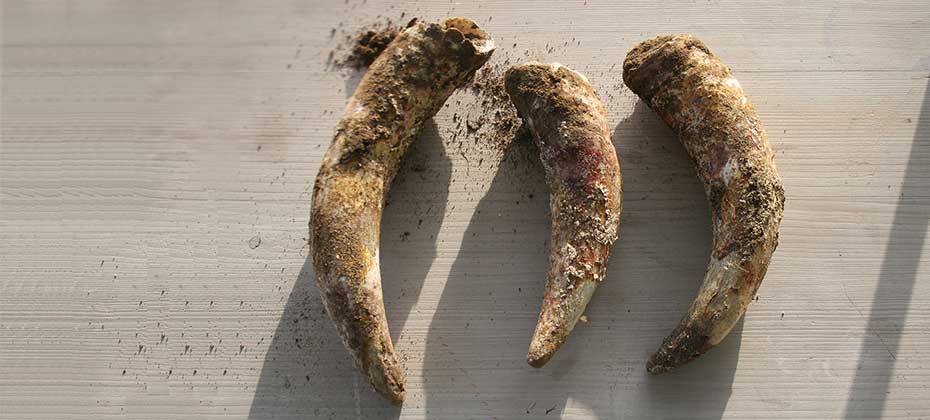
[
  {"x": 530, "y": 408},
  {"x": 255, "y": 242},
  {"x": 495, "y": 109}
]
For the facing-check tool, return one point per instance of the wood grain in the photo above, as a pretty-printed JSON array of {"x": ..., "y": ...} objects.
[{"x": 148, "y": 147}]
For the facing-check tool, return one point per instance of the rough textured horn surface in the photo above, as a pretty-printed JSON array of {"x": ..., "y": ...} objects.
[
  {"x": 569, "y": 124},
  {"x": 404, "y": 87},
  {"x": 696, "y": 95}
]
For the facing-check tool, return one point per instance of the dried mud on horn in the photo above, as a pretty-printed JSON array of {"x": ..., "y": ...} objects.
[{"x": 404, "y": 87}]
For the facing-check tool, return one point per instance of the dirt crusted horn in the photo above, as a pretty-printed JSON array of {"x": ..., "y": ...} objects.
[
  {"x": 403, "y": 88},
  {"x": 569, "y": 125},
  {"x": 697, "y": 96}
]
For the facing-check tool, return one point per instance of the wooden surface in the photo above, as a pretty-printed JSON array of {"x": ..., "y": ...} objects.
[{"x": 156, "y": 163}]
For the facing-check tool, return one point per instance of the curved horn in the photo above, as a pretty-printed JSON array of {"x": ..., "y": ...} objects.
[
  {"x": 569, "y": 124},
  {"x": 695, "y": 94},
  {"x": 405, "y": 86}
]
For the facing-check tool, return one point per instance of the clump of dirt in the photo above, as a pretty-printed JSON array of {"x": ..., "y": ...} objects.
[
  {"x": 358, "y": 49},
  {"x": 489, "y": 119},
  {"x": 369, "y": 44},
  {"x": 501, "y": 116}
]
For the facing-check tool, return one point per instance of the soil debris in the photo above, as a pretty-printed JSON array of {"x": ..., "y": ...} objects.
[
  {"x": 498, "y": 113},
  {"x": 369, "y": 44},
  {"x": 358, "y": 49}
]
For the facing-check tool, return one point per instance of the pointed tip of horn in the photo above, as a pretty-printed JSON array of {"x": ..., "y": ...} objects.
[
  {"x": 685, "y": 344},
  {"x": 538, "y": 356},
  {"x": 656, "y": 365},
  {"x": 668, "y": 359},
  {"x": 392, "y": 387},
  {"x": 547, "y": 338},
  {"x": 561, "y": 310},
  {"x": 395, "y": 394},
  {"x": 385, "y": 373},
  {"x": 396, "y": 398}
]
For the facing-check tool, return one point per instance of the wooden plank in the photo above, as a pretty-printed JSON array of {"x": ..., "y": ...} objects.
[{"x": 146, "y": 148}]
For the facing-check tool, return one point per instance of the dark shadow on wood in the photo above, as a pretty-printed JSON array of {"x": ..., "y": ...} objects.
[
  {"x": 301, "y": 377},
  {"x": 410, "y": 226},
  {"x": 474, "y": 361},
  {"x": 900, "y": 266},
  {"x": 479, "y": 334}
]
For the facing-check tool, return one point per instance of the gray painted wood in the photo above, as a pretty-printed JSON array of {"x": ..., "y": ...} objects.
[{"x": 147, "y": 148}]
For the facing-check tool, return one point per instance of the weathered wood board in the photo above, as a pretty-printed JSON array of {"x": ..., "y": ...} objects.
[{"x": 156, "y": 163}]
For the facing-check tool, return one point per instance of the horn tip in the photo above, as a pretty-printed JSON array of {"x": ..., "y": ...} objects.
[
  {"x": 395, "y": 393},
  {"x": 674, "y": 354},
  {"x": 655, "y": 367},
  {"x": 387, "y": 378},
  {"x": 538, "y": 357},
  {"x": 398, "y": 398}
]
